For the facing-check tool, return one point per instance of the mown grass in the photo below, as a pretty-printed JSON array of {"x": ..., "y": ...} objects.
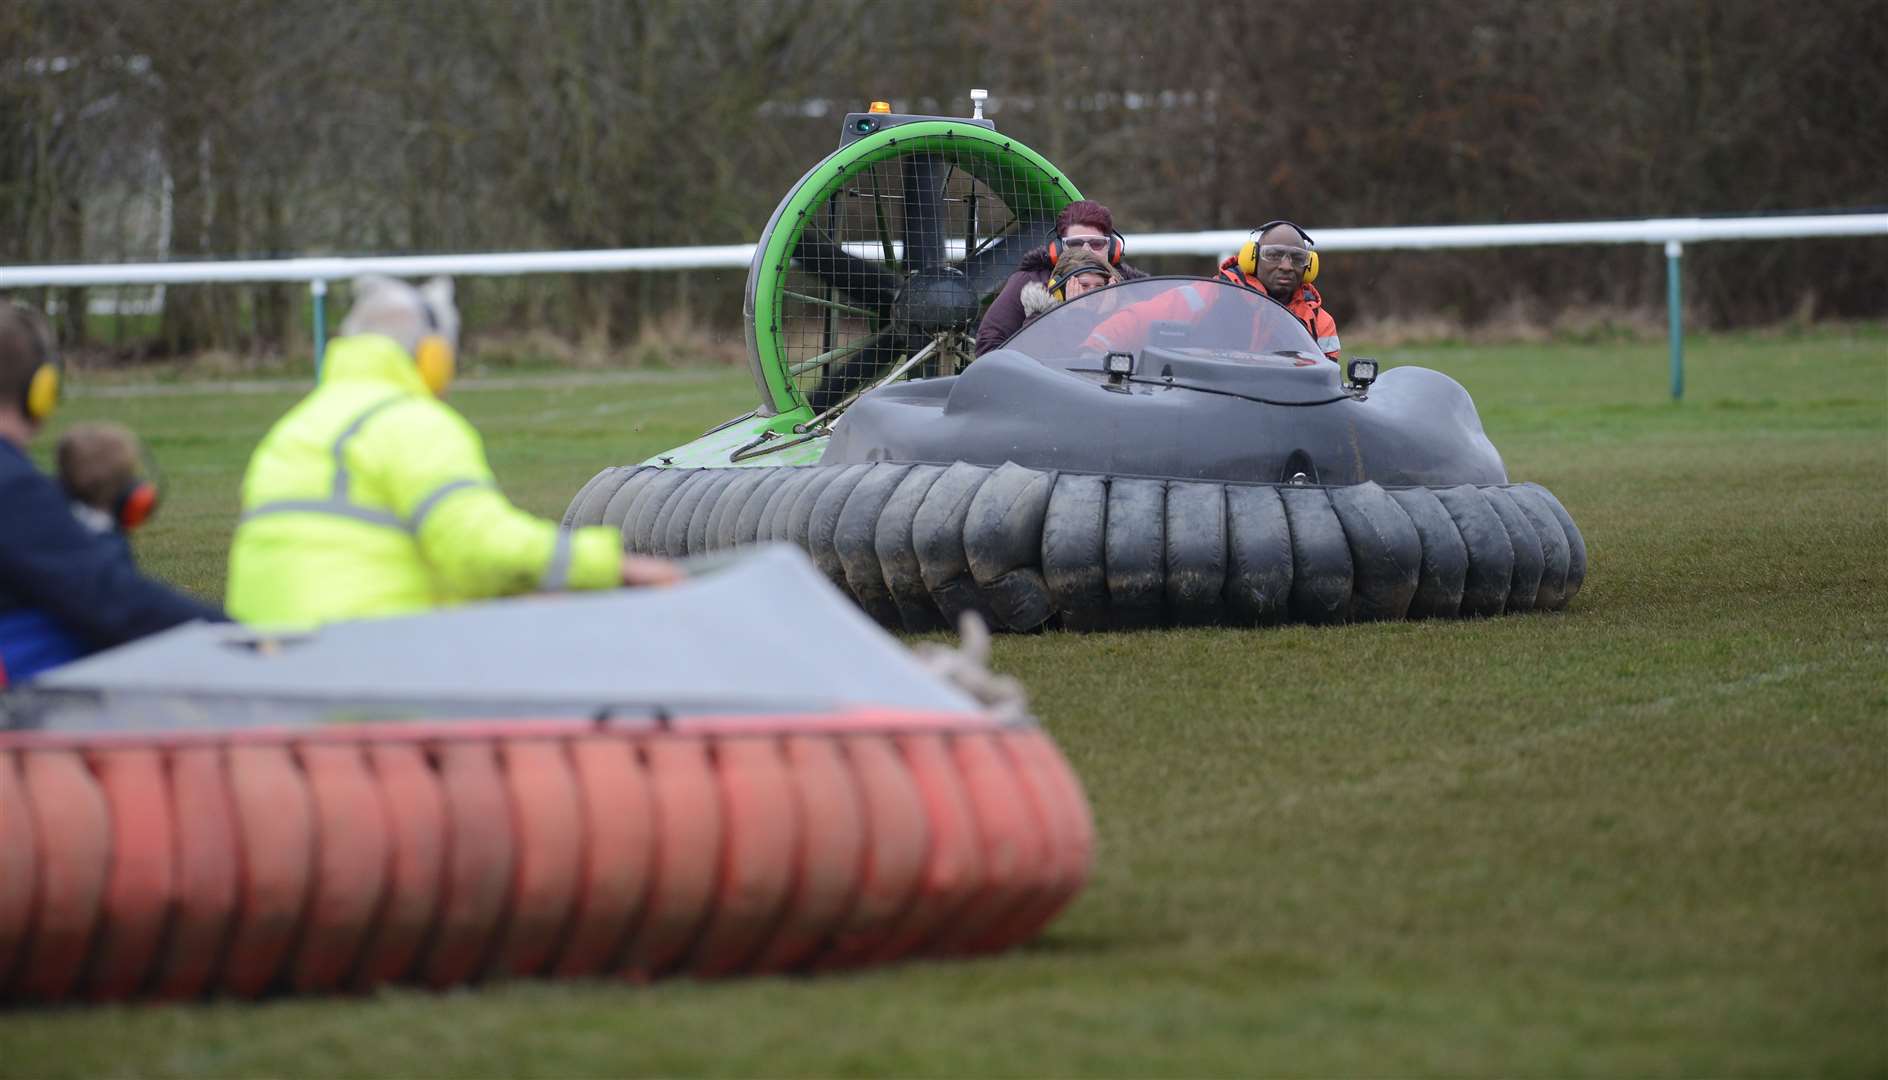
[{"x": 1647, "y": 836}]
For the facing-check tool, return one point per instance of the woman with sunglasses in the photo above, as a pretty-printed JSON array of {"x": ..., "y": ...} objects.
[
  {"x": 1280, "y": 261},
  {"x": 1084, "y": 224}
]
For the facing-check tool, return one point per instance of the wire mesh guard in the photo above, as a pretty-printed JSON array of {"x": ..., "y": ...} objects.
[{"x": 900, "y": 261}]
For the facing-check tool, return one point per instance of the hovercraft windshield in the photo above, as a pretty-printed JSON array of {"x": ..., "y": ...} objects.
[{"x": 1208, "y": 319}]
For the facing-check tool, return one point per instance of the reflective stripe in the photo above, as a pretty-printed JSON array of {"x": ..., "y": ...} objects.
[
  {"x": 1193, "y": 298},
  {"x": 347, "y": 433},
  {"x": 557, "y": 571},
  {"x": 337, "y": 504},
  {"x": 438, "y": 495},
  {"x": 352, "y": 512},
  {"x": 1330, "y": 344},
  {"x": 1103, "y": 338},
  {"x": 325, "y": 506}
]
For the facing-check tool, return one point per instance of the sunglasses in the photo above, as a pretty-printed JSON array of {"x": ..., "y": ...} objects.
[
  {"x": 1092, "y": 243},
  {"x": 1298, "y": 258}
]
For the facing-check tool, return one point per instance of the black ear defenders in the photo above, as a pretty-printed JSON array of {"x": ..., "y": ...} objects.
[
  {"x": 1117, "y": 247},
  {"x": 1059, "y": 282},
  {"x": 1302, "y": 235},
  {"x": 1249, "y": 253}
]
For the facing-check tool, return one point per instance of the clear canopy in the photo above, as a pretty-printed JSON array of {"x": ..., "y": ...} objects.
[{"x": 1205, "y": 315}]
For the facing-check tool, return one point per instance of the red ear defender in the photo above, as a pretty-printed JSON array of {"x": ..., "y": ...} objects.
[
  {"x": 136, "y": 505},
  {"x": 1117, "y": 247}
]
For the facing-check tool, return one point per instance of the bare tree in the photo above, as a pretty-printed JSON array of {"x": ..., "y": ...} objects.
[{"x": 274, "y": 128}]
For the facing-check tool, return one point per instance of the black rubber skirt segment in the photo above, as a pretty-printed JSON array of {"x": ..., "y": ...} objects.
[{"x": 916, "y": 545}]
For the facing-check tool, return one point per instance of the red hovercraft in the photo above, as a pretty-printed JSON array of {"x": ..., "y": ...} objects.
[{"x": 630, "y": 784}]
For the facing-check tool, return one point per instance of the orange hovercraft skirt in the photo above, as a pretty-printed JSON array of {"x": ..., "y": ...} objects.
[{"x": 342, "y": 857}]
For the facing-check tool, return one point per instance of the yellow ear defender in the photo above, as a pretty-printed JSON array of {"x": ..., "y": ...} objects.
[
  {"x": 1058, "y": 287},
  {"x": 1249, "y": 252},
  {"x": 42, "y": 392},
  {"x": 40, "y": 395},
  {"x": 434, "y": 355},
  {"x": 436, "y": 363}
]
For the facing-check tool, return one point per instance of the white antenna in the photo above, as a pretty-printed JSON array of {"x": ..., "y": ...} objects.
[{"x": 977, "y": 98}]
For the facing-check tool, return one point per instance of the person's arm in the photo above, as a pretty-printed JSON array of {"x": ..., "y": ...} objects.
[
  {"x": 1127, "y": 329},
  {"x": 50, "y": 562},
  {"x": 1327, "y": 337},
  {"x": 472, "y": 537},
  {"x": 1005, "y": 315}
]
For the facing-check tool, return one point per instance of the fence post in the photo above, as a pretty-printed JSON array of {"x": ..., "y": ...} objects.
[
  {"x": 1674, "y": 252},
  {"x": 319, "y": 288}
]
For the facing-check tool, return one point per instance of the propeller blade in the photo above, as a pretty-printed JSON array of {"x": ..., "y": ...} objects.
[
  {"x": 847, "y": 374},
  {"x": 989, "y": 268},
  {"x": 923, "y": 176},
  {"x": 866, "y": 283}
]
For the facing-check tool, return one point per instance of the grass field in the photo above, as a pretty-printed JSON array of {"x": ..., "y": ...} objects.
[{"x": 1648, "y": 836}]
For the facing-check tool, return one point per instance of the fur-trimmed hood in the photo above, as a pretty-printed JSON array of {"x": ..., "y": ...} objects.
[{"x": 1037, "y": 299}]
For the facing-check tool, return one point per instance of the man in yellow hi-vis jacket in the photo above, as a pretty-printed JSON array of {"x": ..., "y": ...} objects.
[{"x": 373, "y": 497}]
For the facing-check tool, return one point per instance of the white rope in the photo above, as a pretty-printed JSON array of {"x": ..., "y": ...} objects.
[{"x": 967, "y": 668}]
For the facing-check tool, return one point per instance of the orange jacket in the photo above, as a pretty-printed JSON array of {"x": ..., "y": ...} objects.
[
  {"x": 1128, "y": 327},
  {"x": 1307, "y": 305}
]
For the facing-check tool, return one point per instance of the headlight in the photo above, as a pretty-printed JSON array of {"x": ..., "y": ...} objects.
[{"x": 1363, "y": 372}]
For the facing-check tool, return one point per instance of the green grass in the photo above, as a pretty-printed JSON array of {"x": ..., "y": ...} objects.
[{"x": 1648, "y": 836}]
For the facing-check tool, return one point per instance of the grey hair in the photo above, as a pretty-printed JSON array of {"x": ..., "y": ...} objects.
[{"x": 384, "y": 305}]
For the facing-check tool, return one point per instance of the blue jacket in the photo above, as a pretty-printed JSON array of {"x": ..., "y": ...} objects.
[{"x": 65, "y": 590}]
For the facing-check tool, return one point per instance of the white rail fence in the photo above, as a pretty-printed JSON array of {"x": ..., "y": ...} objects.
[{"x": 1672, "y": 233}]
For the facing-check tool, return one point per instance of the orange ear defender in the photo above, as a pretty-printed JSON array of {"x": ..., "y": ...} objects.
[
  {"x": 138, "y": 501},
  {"x": 1249, "y": 252},
  {"x": 136, "y": 505},
  {"x": 1117, "y": 247}
]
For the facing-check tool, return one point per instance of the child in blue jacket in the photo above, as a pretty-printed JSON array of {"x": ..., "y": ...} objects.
[{"x": 65, "y": 589}]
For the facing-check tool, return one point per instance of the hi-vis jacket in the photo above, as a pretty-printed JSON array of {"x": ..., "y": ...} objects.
[
  {"x": 1305, "y": 303},
  {"x": 372, "y": 497}
]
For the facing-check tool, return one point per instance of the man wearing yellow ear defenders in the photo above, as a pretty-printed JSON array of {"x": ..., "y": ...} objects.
[
  {"x": 65, "y": 590},
  {"x": 373, "y": 497},
  {"x": 1279, "y": 259}
]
